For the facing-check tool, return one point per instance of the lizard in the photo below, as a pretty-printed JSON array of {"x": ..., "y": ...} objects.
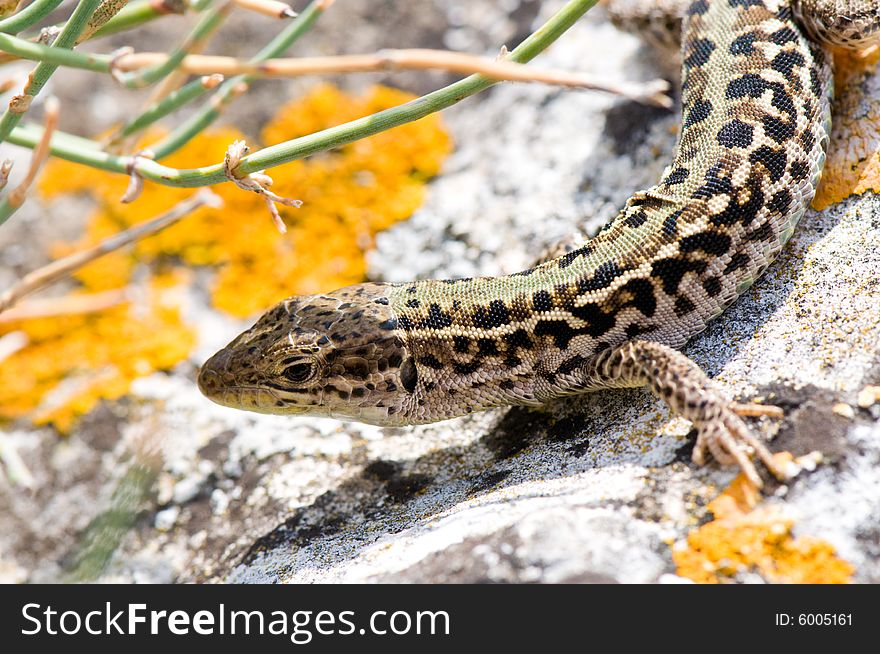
[{"x": 610, "y": 312}]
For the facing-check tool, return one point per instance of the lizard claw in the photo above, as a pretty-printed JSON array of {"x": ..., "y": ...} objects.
[{"x": 728, "y": 438}]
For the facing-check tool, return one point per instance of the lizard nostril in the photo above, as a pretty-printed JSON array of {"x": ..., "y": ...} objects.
[{"x": 209, "y": 381}]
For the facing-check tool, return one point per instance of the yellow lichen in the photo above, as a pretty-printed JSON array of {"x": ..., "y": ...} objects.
[
  {"x": 853, "y": 165},
  {"x": 747, "y": 538},
  {"x": 349, "y": 195},
  {"x": 72, "y": 362}
]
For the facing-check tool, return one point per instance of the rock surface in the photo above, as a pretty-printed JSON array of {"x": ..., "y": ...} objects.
[{"x": 594, "y": 489}]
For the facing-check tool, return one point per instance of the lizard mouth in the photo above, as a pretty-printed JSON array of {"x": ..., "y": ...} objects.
[
  {"x": 218, "y": 384},
  {"x": 247, "y": 397}
]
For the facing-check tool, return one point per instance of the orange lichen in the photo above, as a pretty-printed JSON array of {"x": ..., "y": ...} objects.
[
  {"x": 74, "y": 361},
  {"x": 853, "y": 165},
  {"x": 745, "y": 537},
  {"x": 349, "y": 195}
]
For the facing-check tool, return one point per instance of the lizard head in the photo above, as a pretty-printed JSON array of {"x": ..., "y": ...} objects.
[{"x": 341, "y": 354}]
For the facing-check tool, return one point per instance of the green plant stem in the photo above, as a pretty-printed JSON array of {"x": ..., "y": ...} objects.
[
  {"x": 174, "y": 100},
  {"x": 135, "y": 14},
  {"x": 227, "y": 91},
  {"x": 43, "y": 71},
  {"x": 28, "y": 16},
  {"x": 209, "y": 21},
  {"x": 304, "y": 146},
  {"x": 53, "y": 55}
]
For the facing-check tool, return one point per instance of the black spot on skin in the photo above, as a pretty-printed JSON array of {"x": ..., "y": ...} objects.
[
  {"x": 779, "y": 130},
  {"x": 436, "y": 318},
  {"x": 807, "y": 138},
  {"x": 783, "y": 36},
  {"x": 507, "y": 385},
  {"x": 634, "y": 329},
  {"x": 390, "y": 386},
  {"x": 734, "y": 212},
  {"x": 559, "y": 330},
  {"x": 672, "y": 270},
  {"x": 568, "y": 258},
  {"x": 744, "y": 44},
  {"x": 518, "y": 339},
  {"x": 358, "y": 392},
  {"x": 381, "y": 300},
  {"x": 698, "y": 8},
  {"x": 786, "y": 61},
  {"x": 737, "y": 261},
  {"x": 636, "y": 220},
  {"x": 395, "y": 360},
  {"x": 711, "y": 242},
  {"x": 670, "y": 225},
  {"x": 486, "y": 347},
  {"x": 712, "y": 286},
  {"x": 683, "y": 306},
  {"x": 512, "y": 361},
  {"x": 409, "y": 375},
  {"x": 774, "y": 161},
  {"x": 432, "y": 362},
  {"x": 602, "y": 278},
  {"x": 466, "y": 368},
  {"x": 762, "y": 233},
  {"x": 541, "y": 301},
  {"x": 405, "y": 322},
  {"x": 799, "y": 169},
  {"x": 496, "y": 315},
  {"x": 736, "y": 134},
  {"x": 780, "y": 202},
  {"x": 698, "y": 52},
  {"x": 413, "y": 303},
  {"x": 815, "y": 82},
  {"x": 570, "y": 365},
  {"x": 677, "y": 176},
  {"x": 598, "y": 321},
  {"x": 430, "y": 386},
  {"x": 699, "y": 113},
  {"x": 642, "y": 294},
  {"x": 461, "y": 344},
  {"x": 750, "y": 84}
]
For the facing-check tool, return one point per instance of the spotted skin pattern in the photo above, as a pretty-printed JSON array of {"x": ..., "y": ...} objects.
[{"x": 612, "y": 312}]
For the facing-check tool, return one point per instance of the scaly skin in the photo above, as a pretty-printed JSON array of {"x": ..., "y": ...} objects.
[{"x": 608, "y": 314}]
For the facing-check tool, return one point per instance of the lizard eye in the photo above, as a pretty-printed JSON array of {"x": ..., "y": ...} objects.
[{"x": 298, "y": 372}]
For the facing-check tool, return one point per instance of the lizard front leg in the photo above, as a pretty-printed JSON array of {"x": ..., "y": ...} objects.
[{"x": 687, "y": 390}]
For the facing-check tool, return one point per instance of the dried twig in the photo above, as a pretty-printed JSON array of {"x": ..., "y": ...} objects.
[
  {"x": 5, "y": 169},
  {"x": 652, "y": 92},
  {"x": 65, "y": 266},
  {"x": 256, "y": 182},
  {"x": 269, "y": 8},
  {"x": 17, "y": 195},
  {"x": 65, "y": 306}
]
